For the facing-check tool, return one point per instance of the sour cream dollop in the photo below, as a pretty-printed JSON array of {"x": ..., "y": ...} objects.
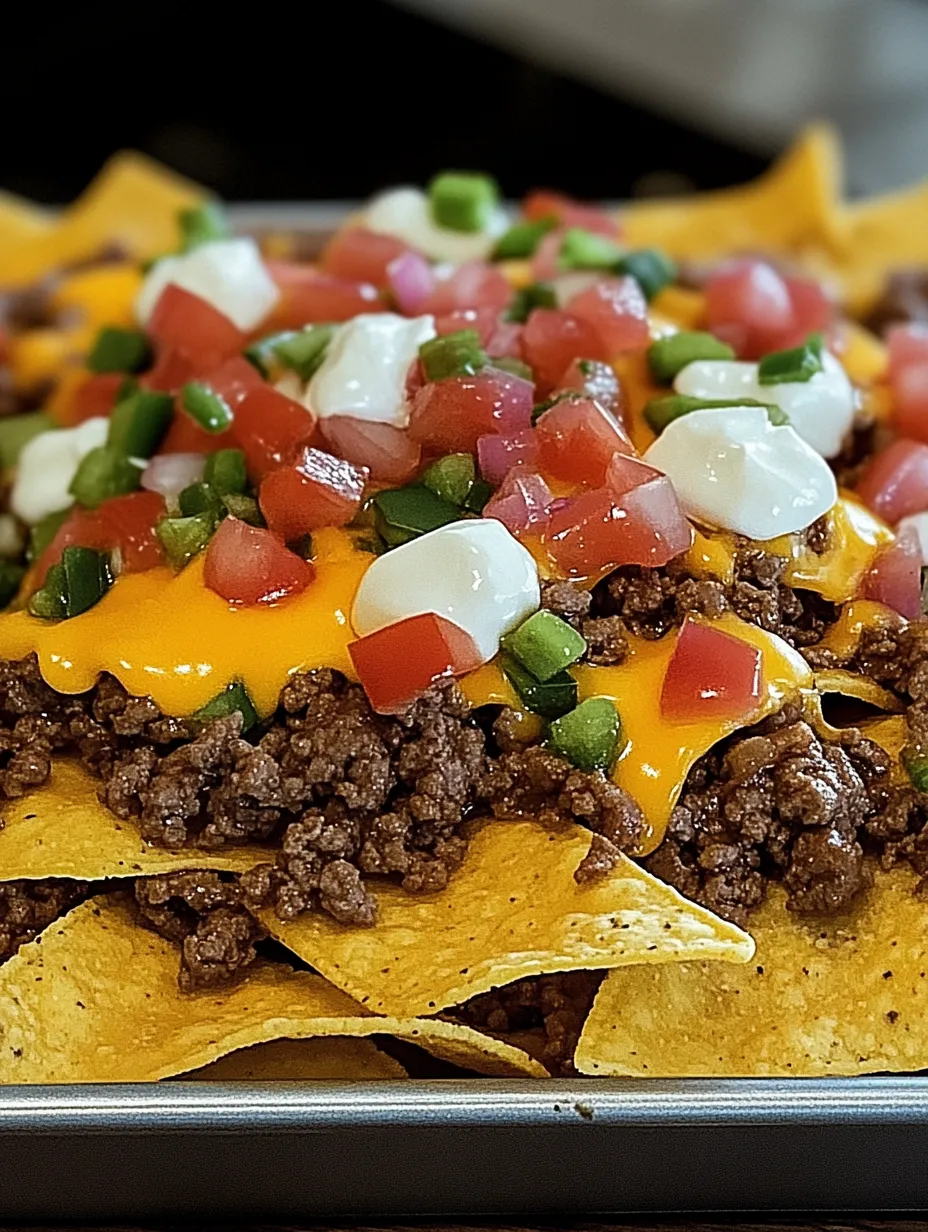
[
  {"x": 229, "y": 274},
  {"x": 474, "y": 573},
  {"x": 406, "y": 214},
  {"x": 47, "y": 466},
  {"x": 820, "y": 409},
  {"x": 735, "y": 470}
]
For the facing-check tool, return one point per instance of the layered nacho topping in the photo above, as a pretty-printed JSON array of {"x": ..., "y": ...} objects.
[{"x": 509, "y": 597}]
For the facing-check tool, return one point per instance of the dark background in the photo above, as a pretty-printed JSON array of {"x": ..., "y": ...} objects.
[{"x": 344, "y": 98}]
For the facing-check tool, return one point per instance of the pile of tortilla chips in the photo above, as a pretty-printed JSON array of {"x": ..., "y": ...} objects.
[{"x": 95, "y": 997}]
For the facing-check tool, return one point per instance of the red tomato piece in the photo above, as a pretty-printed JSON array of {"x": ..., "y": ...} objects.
[
  {"x": 388, "y": 453},
  {"x": 450, "y": 416},
  {"x": 895, "y": 482},
  {"x": 483, "y": 320},
  {"x": 570, "y": 213},
  {"x": 309, "y": 296},
  {"x": 475, "y": 284},
  {"x": 124, "y": 523},
  {"x": 710, "y": 675},
  {"x": 187, "y": 324},
  {"x": 618, "y": 312},
  {"x": 546, "y": 257},
  {"x": 577, "y": 439},
  {"x": 895, "y": 577},
  {"x": 233, "y": 379},
  {"x": 813, "y": 310},
  {"x": 910, "y": 390},
  {"x": 312, "y": 489},
  {"x": 603, "y": 528},
  {"x": 551, "y": 339},
  {"x": 186, "y": 436},
  {"x": 399, "y": 663},
  {"x": 359, "y": 255},
  {"x": 96, "y": 395},
  {"x": 248, "y": 564},
  {"x": 748, "y": 305},
  {"x": 595, "y": 380},
  {"x": 908, "y": 344},
  {"x": 267, "y": 425},
  {"x": 170, "y": 371}
]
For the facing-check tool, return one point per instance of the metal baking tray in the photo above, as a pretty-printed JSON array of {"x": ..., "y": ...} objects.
[
  {"x": 449, "y": 1147},
  {"x": 426, "y": 1148}
]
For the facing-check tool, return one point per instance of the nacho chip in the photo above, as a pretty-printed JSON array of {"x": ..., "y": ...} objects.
[
  {"x": 878, "y": 236},
  {"x": 862, "y": 688},
  {"x": 512, "y": 910},
  {"x": 95, "y": 999},
  {"x": 21, "y": 222},
  {"x": 791, "y": 207},
  {"x": 62, "y": 830},
  {"x": 336, "y": 1059},
  {"x": 846, "y": 996}
]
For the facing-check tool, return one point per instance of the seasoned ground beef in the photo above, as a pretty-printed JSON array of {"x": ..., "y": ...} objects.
[
  {"x": 557, "y": 1003},
  {"x": 27, "y": 907},
  {"x": 776, "y": 803},
  {"x": 205, "y": 915},
  {"x": 904, "y": 299}
]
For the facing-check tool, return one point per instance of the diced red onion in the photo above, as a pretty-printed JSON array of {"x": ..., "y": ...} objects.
[
  {"x": 170, "y": 473},
  {"x": 411, "y": 281},
  {"x": 523, "y": 503},
  {"x": 497, "y": 455}
]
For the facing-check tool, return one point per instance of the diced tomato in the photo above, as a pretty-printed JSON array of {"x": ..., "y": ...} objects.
[
  {"x": 360, "y": 255},
  {"x": 895, "y": 577},
  {"x": 312, "y": 489},
  {"x": 95, "y": 395},
  {"x": 544, "y": 204},
  {"x": 309, "y": 296},
  {"x": 711, "y": 675},
  {"x": 895, "y": 482},
  {"x": 910, "y": 391},
  {"x": 482, "y": 320},
  {"x": 908, "y": 344},
  {"x": 522, "y": 502},
  {"x": 748, "y": 305},
  {"x": 813, "y": 310},
  {"x": 267, "y": 425},
  {"x": 186, "y": 436},
  {"x": 504, "y": 339},
  {"x": 475, "y": 284},
  {"x": 124, "y": 523},
  {"x": 399, "y": 663},
  {"x": 636, "y": 521},
  {"x": 617, "y": 310},
  {"x": 451, "y": 415},
  {"x": 596, "y": 380},
  {"x": 248, "y": 564},
  {"x": 233, "y": 379},
  {"x": 388, "y": 453},
  {"x": 546, "y": 257},
  {"x": 577, "y": 439},
  {"x": 170, "y": 371},
  {"x": 184, "y": 323},
  {"x": 551, "y": 339}
]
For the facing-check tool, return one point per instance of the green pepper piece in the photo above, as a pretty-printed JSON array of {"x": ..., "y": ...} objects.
[
  {"x": 457, "y": 354},
  {"x": 50, "y": 603},
  {"x": 102, "y": 473},
  {"x": 245, "y": 508},
  {"x": 522, "y": 238},
  {"x": 233, "y": 699},
  {"x": 138, "y": 423},
  {"x": 202, "y": 223},
  {"x": 669, "y": 355},
  {"x": 451, "y": 477},
  {"x": 463, "y": 200},
  {"x": 119, "y": 350},
  {"x": 261, "y": 353},
  {"x": 304, "y": 351},
  {"x": 652, "y": 269},
  {"x": 797, "y": 364},
  {"x": 87, "y": 578},
  {"x": 225, "y": 471},
  {"x": 200, "y": 498},
  {"x": 184, "y": 538},
  {"x": 17, "y": 431},
  {"x": 478, "y": 496},
  {"x": 550, "y": 698},
  {"x": 544, "y": 644},
  {"x": 916, "y": 766},
  {"x": 660, "y": 412},
  {"x": 405, "y": 513},
  {"x": 205, "y": 407},
  {"x": 588, "y": 737},
  {"x": 587, "y": 250},
  {"x": 527, "y": 299}
]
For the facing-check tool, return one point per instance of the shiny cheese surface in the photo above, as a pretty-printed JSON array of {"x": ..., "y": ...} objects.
[{"x": 170, "y": 637}]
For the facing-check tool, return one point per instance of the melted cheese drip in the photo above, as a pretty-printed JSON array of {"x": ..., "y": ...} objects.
[
  {"x": 844, "y": 634},
  {"x": 657, "y": 755},
  {"x": 170, "y": 637}
]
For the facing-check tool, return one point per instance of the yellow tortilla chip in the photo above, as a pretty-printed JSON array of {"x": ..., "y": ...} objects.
[
  {"x": 879, "y": 235},
  {"x": 792, "y": 206},
  {"x": 62, "y": 830},
  {"x": 95, "y": 999},
  {"x": 334, "y": 1059},
  {"x": 850, "y": 684},
  {"x": 512, "y": 910},
  {"x": 21, "y": 222},
  {"x": 820, "y": 997},
  {"x": 133, "y": 202}
]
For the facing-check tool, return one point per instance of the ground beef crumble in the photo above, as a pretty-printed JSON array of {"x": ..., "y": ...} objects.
[{"x": 28, "y": 907}]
